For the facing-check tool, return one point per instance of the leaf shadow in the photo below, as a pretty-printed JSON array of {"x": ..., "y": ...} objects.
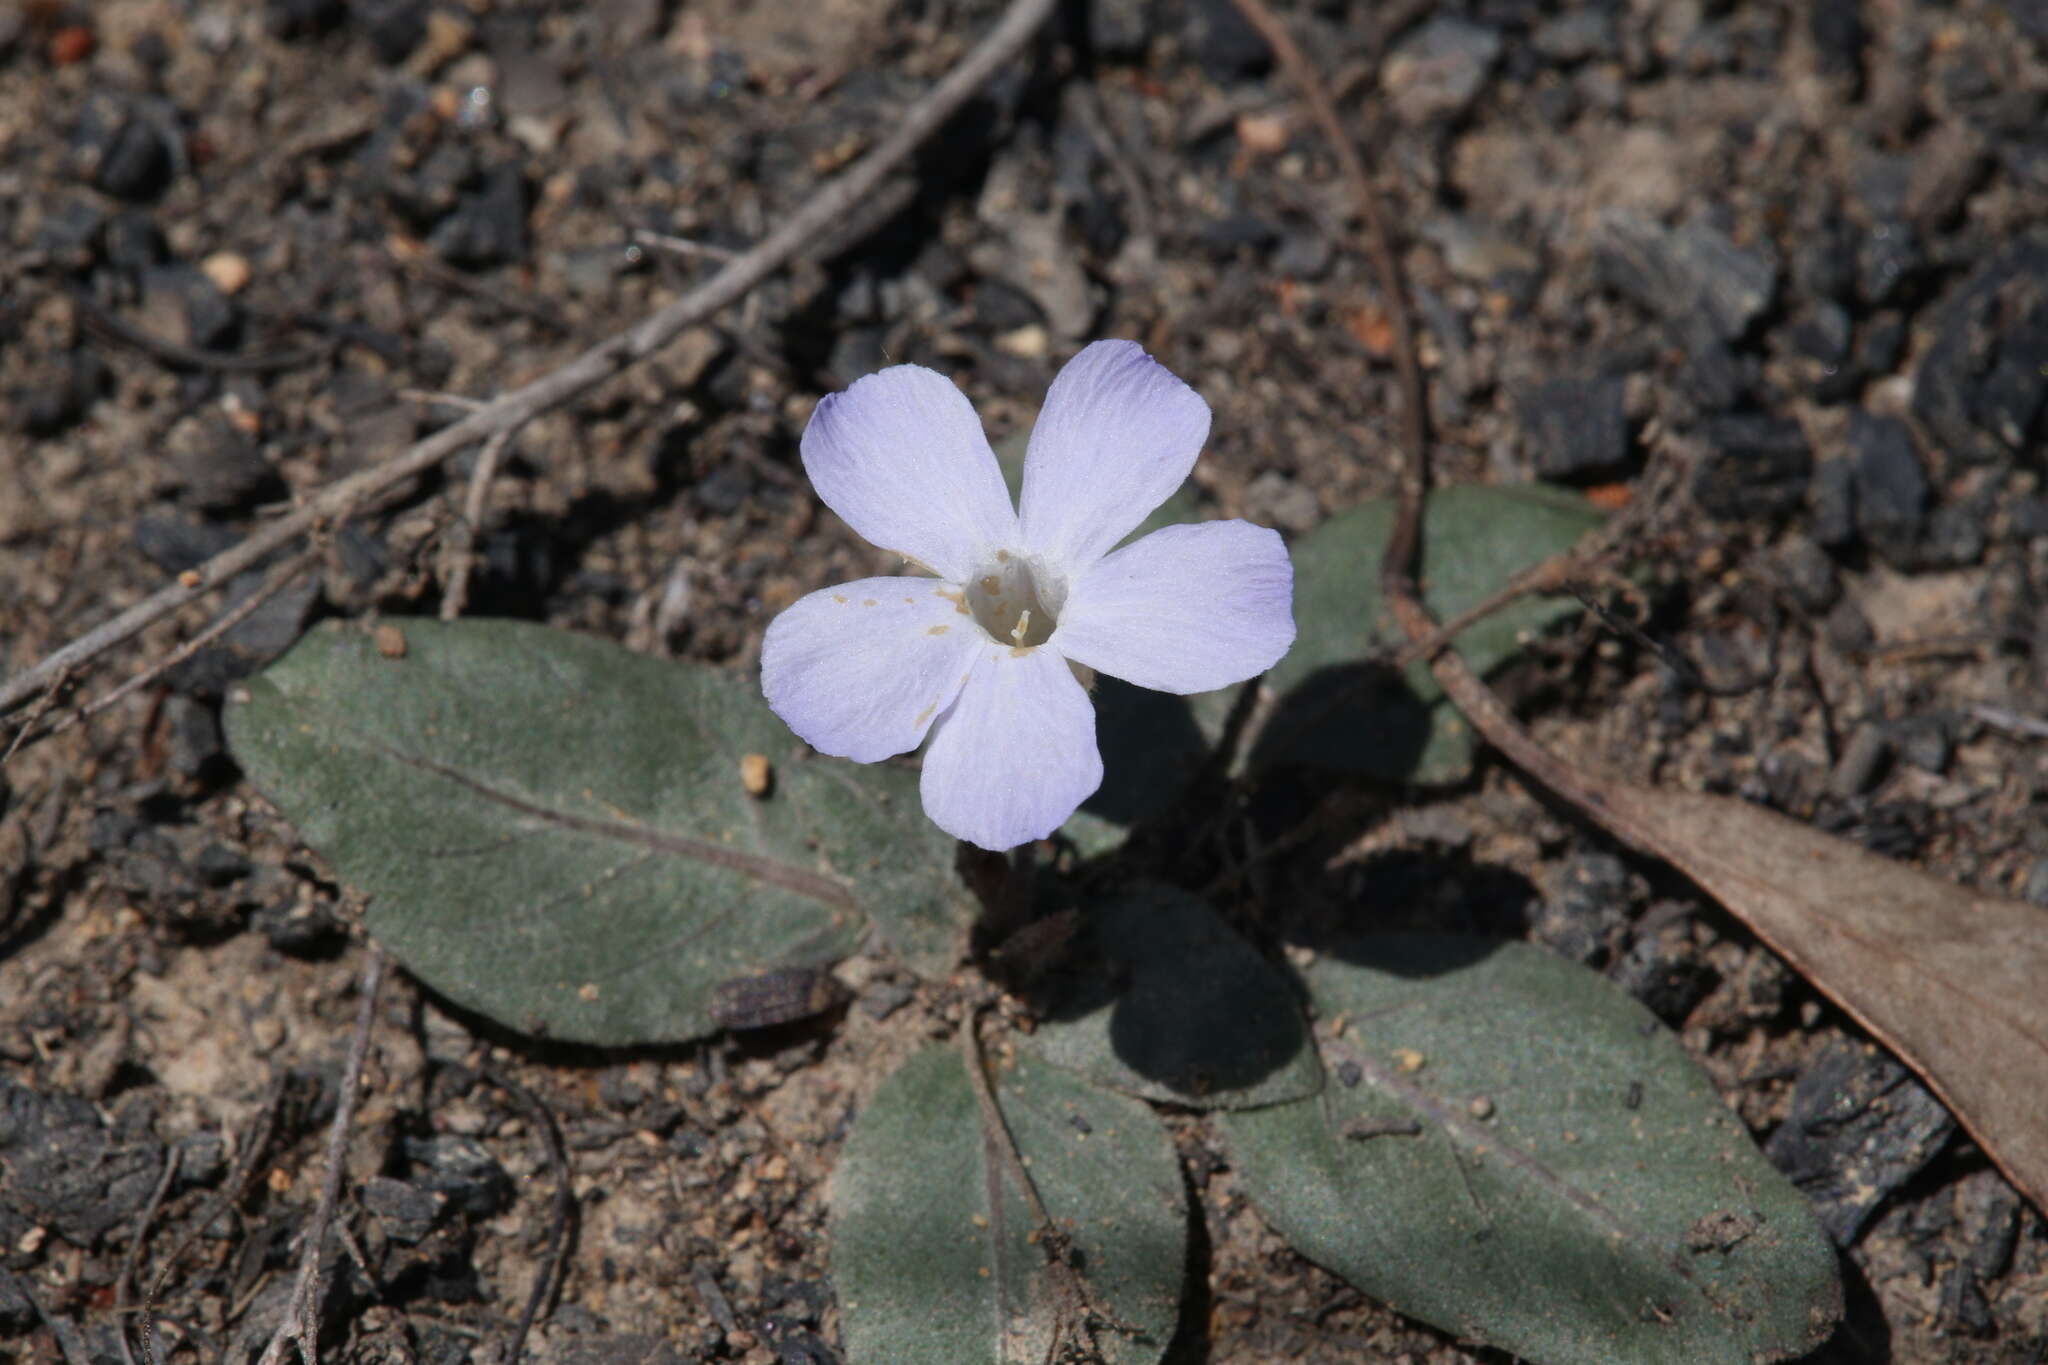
[
  {"x": 1162, "y": 996},
  {"x": 1359, "y": 717},
  {"x": 1432, "y": 889},
  {"x": 1176, "y": 998},
  {"x": 1150, "y": 746},
  {"x": 1865, "y": 1335},
  {"x": 810, "y": 1033}
]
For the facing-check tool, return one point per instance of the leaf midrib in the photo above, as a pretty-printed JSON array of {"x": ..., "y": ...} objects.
[
  {"x": 1469, "y": 1134},
  {"x": 767, "y": 871}
]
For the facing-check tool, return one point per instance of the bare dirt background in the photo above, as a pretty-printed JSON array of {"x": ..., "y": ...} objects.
[{"x": 1779, "y": 253}]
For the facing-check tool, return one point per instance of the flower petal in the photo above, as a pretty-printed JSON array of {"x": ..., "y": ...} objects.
[
  {"x": 1116, "y": 436},
  {"x": 1016, "y": 754},
  {"x": 860, "y": 671},
  {"x": 1186, "y": 609},
  {"x": 902, "y": 457}
]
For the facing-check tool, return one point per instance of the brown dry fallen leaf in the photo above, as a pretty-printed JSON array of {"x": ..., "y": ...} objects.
[{"x": 1954, "y": 982}]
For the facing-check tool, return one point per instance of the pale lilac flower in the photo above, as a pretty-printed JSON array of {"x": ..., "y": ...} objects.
[{"x": 983, "y": 658}]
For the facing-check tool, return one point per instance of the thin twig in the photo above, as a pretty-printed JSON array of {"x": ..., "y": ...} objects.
[
  {"x": 822, "y": 212},
  {"x": 416, "y": 256},
  {"x": 462, "y": 546},
  {"x": 2012, "y": 722},
  {"x": 1478, "y": 702},
  {"x": 300, "y": 1325},
  {"x": 126, "y": 1278},
  {"x": 681, "y": 246},
  {"x": 555, "y": 1260},
  {"x": 454, "y": 400},
  {"x": 1084, "y": 100},
  {"x": 1670, "y": 655},
  {"x": 1548, "y": 576},
  {"x": 1379, "y": 247},
  {"x": 42, "y": 708},
  {"x": 261, "y": 1129},
  {"x": 179, "y": 356},
  {"x": 1472, "y": 696},
  {"x": 280, "y": 578}
]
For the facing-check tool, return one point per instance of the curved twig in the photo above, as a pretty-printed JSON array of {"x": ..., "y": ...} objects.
[
  {"x": 280, "y": 578},
  {"x": 301, "y": 1325},
  {"x": 555, "y": 1259}
]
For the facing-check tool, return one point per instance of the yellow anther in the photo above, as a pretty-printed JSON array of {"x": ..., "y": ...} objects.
[{"x": 1022, "y": 628}]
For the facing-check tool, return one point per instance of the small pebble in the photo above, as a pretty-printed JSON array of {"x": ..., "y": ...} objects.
[
  {"x": 267, "y": 1031},
  {"x": 448, "y": 37},
  {"x": 390, "y": 641},
  {"x": 1262, "y": 134},
  {"x": 756, "y": 774},
  {"x": 1862, "y": 762},
  {"x": 1480, "y": 1107},
  {"x": 229, "y": 271},
  {"x": 1029, "y": 342}
]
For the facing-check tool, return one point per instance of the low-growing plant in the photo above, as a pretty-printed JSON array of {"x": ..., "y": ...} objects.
[{"x": 586, "y": 844}]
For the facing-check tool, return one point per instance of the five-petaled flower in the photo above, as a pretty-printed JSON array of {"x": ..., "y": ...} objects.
[{"x": 983, "y": 656}]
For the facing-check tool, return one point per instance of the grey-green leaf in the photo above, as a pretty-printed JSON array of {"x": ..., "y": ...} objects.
[
  {"x": 1170, "y": 1004},
  {"x": 934, "y": 1253},
  {"x": 1517, "y": 1152},
  {"x": 1336, "y": 710},
  {"x": 555, "y": 832}
]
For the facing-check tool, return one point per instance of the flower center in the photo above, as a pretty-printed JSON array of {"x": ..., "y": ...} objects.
[{"x": 1015, "y": 601}]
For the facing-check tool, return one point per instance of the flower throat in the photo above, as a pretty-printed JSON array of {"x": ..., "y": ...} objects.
[{"x": 1014, "y": 602}]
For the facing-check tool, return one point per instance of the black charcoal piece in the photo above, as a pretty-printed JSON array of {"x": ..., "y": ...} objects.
[
  {"x": 460, "y": 1168},
  {"x": 66, "y": 1171},
  {"x": 1692, "y": 271},
  {"x": 394, "y": 27},
  {"x": 1807, "y": 573},
  {"x": 1980, "y": 388},
  {"x": 1755, "y": 468},
  {"x": 1957, "y": 533},
  {"x": 1889, "y": 258},
  {"x": 59, "y": 393},
  {"x": 1890, "y": 486},
  {"x": 197, "y": 750},
  {"x": 1838, "y": 33},
  {"x": 1587, "y": 910},
  {"x": 408, "y": 1213},
  {"x": 1664, "y": 970},
  {"x": 1120, "y": 29},
  {"x": 1860, "y": 1127},
  {"x": 1224, "y": 43},
  {"x": 290, "y": 19},
  {"x": 488, "y": 226},
  {"x": 1577, "y": 427},
  {"x": 132, "y": 162}
]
